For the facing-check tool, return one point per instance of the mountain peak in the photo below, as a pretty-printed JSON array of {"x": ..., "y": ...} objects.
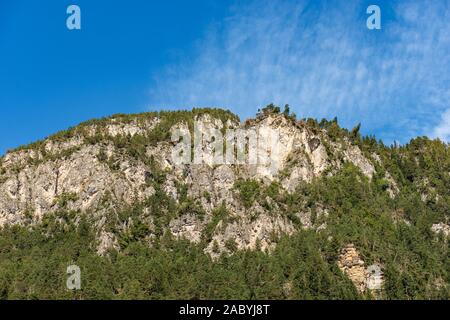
[{"x": 274, "y": 177}]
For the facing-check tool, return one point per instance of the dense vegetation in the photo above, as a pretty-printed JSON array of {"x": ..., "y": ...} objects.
[
  {"x": 33, "y": 262},
  {"x": 95, "y": 131},
  {"x": 394, "y": 232},
  {"x": 34, "y": 267}
]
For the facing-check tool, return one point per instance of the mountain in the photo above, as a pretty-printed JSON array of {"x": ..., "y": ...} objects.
[{"x": 292, "y": 209}]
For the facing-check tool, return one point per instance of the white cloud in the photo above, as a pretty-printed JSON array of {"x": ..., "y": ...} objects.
[
  {"x": 442, "y": 130},
  {"x": 321, "y": 59}
]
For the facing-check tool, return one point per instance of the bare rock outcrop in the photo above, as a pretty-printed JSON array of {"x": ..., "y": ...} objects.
[
  {"x": 441, "y": 228},
  {"x": 364, "y": 278},
  {"x": 89, "y": 172}
]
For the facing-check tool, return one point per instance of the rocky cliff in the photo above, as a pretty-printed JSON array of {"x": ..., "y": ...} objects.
[
  {"x": 119, "y": 173},
  {"x": 100, "y": 178}
]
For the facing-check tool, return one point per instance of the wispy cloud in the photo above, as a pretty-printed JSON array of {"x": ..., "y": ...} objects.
[
  {"x": 442, "y": 130},
  {"x": 319, "y": 57}
]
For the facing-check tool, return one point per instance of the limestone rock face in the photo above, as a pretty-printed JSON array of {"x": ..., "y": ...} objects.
[
  {"x": 40, "y": 187},
  {"x": 96, "y": 177},
  {"x": 441, "y": 228},
  {"x": 247, "y": 234},
  {"x": 364, "y": 278},
  {"x": 188, "y": 227},
  {"x": 352, "y": 265},
  {"x": 353, "y": 154}
]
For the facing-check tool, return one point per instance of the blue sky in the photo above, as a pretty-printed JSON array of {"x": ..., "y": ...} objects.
[{"x": 133, "y": 56}]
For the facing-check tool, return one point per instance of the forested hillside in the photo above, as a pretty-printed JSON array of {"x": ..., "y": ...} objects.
[{"x": 105, "y": 196}]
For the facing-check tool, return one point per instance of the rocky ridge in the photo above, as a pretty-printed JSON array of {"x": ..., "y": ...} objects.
[
  {"x": 120, "y": 174},
  {"x": 77, "y": 175}
]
